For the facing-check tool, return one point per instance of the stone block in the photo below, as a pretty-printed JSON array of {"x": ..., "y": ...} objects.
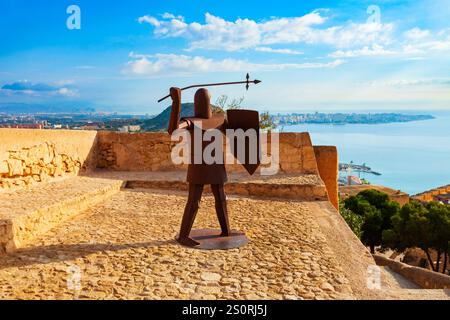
[
  {"x": 34, "y": 154},
  {"x": 309, "y": 160},
  {"x": 16, "y": 167},
  {"x": 19, "y": 155},
  {"x": 4, "y": 168},
  {"x": 58, "y": 172},
  {"x": 328, "y": 166},
  {"x": 27, "y": 171},
  {"x": 57, "y": 160},
  {"x": 4, "y": 155},
  {"x": 43, "y": 176},
  {"x": 36, "y": 169}
]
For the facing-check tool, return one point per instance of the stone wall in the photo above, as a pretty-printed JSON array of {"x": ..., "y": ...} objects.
[
  {"x": 328, "y": 166},
  {"x": 31, "y": 156},
  {"x": 152, "y": 152},
  {"x": 424, "y": 278},
  {"x": 429, "y": 195}
]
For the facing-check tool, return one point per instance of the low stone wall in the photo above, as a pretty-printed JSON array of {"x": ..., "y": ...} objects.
[
  {"x": 429, "y": 195},
  {"x": 304, "y": 192},
  {"x": 152, "y": 152},
  {"x": 328, "y": 166},
  {"x": 43, "y": 207},
  {"x": 29, "y": 156},
  {"x": 425, "y": 278}
]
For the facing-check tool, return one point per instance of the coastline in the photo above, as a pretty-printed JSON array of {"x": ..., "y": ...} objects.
[{"x": 410, "y": 155}]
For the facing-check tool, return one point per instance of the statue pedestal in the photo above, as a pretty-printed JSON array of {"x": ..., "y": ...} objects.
[{"x": 210, "y": 239}]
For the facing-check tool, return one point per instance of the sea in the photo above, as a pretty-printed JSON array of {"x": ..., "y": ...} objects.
[{"x": 412, "y": 156}]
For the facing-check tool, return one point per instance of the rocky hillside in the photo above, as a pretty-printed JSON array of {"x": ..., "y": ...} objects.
[{"x": 159, "y": 123}]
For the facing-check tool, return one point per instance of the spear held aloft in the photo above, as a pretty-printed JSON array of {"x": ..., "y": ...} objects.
[{"x": 247, "y": 82}]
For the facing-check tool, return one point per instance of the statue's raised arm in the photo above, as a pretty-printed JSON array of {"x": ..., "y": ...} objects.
[{"x": 174, "y": 120}]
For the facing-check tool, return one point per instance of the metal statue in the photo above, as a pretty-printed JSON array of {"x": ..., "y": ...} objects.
[
  {"x": 247, "y": 82},
  {"x": 199, "y": 174}
]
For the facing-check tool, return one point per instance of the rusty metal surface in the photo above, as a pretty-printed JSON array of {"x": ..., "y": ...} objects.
[
  {"x": 212, "y": 173},
  {"x": 211, "y": 239},
  {"x": 245, "y": 120},
  {"x": 247, "y": 82}
]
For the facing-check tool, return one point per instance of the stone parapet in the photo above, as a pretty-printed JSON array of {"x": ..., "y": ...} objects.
[
  {"x": 424, "y": 278},
  {"x": 328, "y": 166},
  {"x": 300, "y": 192},
  {"x": 430, "y": 194},
  {"x": 152, "y": 152},
  {"x": 31, "y": 156},
  {"x": 46, "y": 206}
]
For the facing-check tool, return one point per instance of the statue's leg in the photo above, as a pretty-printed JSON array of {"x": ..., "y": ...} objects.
[
  {"x": 221, "y": 208},
  {"x": 190, "y": 212}
]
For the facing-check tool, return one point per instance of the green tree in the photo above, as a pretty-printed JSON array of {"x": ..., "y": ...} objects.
[
  {"x": 409, "y": 229},
  {"x": 424, "y": 226},
  {"x": 266, "y": 121},
  {"x": 353, "y": 220},
  {"x": 376, "y": 210},
  {"x": 223, "y": 103},
  {"x": 439, "y": 225}
]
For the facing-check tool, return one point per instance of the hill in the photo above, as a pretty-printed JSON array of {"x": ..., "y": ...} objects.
[{"x": 159, "y": 123}]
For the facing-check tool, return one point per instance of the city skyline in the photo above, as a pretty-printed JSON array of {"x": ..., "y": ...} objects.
[{"x": 324, "y": 55}]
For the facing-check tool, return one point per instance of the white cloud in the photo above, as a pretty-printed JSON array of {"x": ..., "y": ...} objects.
[
  {"x": 147, "y": 19},
  {"x": 167, "y": 15},
  {"x": 219, "y": 34},
  {"x": 67, "y": 92},
  {"x": 375, "y": 50},
  {"x": 148, "y": 65},
  {"x": 282, "y": 51},
  {"x": 416, "y": 34},
  {"x": 411, "y": 82},
  {"x": 423, "y": 41},
  {"x": 25, "y": 87}
]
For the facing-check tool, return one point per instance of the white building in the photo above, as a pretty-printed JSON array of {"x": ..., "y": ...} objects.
[{"x": 133, "y": 128}]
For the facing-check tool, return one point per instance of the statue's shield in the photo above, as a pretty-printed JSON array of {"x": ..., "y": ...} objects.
[{"x": 244, "y": 139}]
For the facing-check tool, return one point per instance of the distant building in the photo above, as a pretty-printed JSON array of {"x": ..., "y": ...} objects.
[
  {"x": 22, "y": 126},
  {"x": 444, "y": 198},
  {"x": 131, "y": 128},
  {"x": 441, "y": 194},
  {"x": 353, "y": 180},
  {"x": 93, "y": 126}
]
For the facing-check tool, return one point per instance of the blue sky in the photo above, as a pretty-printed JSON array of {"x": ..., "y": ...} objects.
[{"x": 310, "y": 55}]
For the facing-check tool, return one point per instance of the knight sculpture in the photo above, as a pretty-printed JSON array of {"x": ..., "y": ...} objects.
[{"x": 200, "y": 173}]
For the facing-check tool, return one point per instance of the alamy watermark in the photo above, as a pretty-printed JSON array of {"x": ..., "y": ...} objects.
[
  {"x": 244, "y": 142},
  {"x": 373, "y": 277},
  {"x": 73, "y": 22},
  {"x": 73, "y": 280},
  {"x": 374, "y": 13}
]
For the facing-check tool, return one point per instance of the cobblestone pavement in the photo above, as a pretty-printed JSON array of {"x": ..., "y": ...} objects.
[{"x": 125, "y": 248}]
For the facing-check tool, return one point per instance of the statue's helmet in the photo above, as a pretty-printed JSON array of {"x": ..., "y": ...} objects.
[{"x": 202, "y": 104}]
